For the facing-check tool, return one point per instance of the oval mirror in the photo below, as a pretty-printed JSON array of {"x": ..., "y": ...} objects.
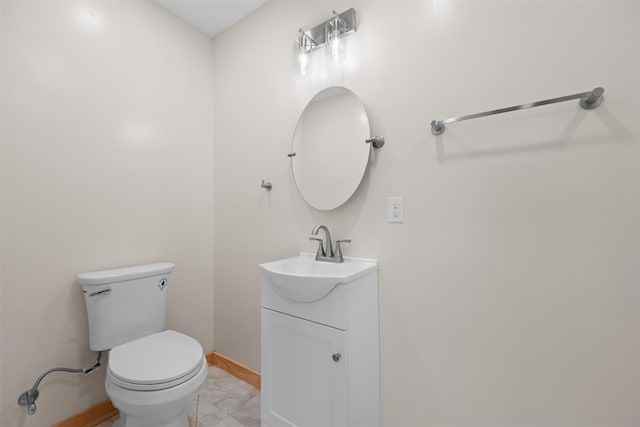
[{"x": 330, "y": 151}]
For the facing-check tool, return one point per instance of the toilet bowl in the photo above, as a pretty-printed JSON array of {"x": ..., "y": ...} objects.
[{"x": 154, "y": 379}]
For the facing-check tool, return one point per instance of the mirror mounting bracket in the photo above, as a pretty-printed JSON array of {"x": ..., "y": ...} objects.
[{"x": 376, "y": 141}]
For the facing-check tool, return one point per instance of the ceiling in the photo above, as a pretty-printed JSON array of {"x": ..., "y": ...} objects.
[{"x": 211, "y": 16}]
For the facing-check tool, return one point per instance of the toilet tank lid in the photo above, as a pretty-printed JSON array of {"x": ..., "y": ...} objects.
[{"x": 124, "y": 273}]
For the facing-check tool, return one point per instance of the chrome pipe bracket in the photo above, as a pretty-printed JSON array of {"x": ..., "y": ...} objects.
[{"x": 28, "y": 399}]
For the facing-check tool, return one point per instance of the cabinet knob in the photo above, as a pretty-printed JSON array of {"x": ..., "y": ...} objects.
[{"x": 336, "y": 357}]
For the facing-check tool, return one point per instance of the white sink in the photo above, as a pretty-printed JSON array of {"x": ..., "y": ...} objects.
[{"x": 303, "y": 279}]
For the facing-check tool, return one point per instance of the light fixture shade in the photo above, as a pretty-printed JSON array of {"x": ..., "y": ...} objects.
[
  {"x": 304, "y": 63},
  {"x": 334, "y": 29},
  {"x": 305, "y": 46}
]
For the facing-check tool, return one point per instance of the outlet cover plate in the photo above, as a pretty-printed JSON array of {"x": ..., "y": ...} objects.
[{"x": 395, "y": 209}]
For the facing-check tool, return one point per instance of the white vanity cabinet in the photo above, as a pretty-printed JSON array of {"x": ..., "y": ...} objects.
[{"x": 320, "y": 345}]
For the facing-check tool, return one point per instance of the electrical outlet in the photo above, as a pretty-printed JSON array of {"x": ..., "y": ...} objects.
[{"x": 395, "y": 209}]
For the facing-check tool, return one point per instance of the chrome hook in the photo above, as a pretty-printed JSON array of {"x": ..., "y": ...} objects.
[{"x": 376, "y": 141}]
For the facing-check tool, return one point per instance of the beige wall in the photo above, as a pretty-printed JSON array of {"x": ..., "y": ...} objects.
[
  {"x": 509, "y": 296},
  {"x": 107, "y": 160}
]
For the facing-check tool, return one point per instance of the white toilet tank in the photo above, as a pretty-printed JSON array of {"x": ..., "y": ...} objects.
[{"x": 125, "y": 304}]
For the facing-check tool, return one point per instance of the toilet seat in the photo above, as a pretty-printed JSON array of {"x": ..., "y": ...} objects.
[{"x": 155, "y": 362}]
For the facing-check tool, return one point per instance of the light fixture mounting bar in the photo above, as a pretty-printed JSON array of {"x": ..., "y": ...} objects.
[{"x": 318, "y": 33}]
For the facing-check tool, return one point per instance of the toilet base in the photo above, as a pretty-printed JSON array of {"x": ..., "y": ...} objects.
[{"x": 159, "y": 408}]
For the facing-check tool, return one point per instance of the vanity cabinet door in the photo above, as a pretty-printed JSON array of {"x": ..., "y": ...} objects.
[{"x": 304, "y": 376}]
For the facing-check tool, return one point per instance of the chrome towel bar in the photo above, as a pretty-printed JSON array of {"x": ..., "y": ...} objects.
[{"x": 588, "y": 100}]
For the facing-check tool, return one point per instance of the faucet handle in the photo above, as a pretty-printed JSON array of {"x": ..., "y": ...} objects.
[
  {"x": 321, "y": 251},
  {"x": 338, "y": 250}
]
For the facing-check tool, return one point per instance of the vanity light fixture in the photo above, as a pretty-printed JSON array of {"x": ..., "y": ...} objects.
[
  {"x": 306, "y": 43},
  {"x": 330, "y": 33}
]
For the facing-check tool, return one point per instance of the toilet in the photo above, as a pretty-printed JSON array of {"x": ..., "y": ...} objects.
[{"x": 153, "y": 374}]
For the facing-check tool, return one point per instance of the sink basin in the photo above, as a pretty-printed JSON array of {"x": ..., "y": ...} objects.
[{"x": 303, "y": 279}]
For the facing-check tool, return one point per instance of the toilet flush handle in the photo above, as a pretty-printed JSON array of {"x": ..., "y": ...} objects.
[{"x": 101, "y": 292}]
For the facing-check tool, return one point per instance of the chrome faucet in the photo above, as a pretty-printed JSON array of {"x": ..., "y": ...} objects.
[{"x": 327, "y": 254}]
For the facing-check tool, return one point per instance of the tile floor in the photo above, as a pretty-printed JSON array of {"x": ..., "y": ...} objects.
[{"x": 225, "y": 401}]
